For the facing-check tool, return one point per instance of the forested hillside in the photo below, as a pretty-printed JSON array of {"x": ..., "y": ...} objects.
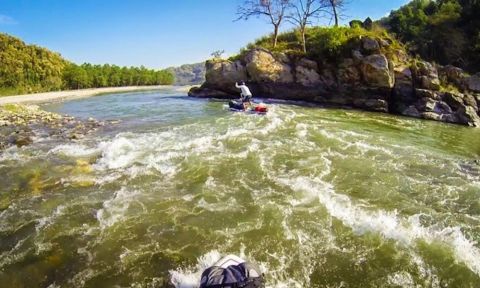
[
  {"x": 29, "y": 68},
  {"x": 444, "y": 31},
  {"x": 189, "y": 74},
  {"x": 89, "y": 76}
]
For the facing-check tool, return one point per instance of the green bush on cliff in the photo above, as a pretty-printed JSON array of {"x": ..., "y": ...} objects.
[{"x": 323, "y": 43}]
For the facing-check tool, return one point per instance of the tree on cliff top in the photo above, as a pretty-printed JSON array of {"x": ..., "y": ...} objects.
[
  {"x": 273, "y": 10},
  {"x": 337, "y": 7},
  {"x": 302, "y": 13}
]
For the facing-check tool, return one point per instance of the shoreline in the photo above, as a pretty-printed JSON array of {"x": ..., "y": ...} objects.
[{"x": 75, "y": 94}]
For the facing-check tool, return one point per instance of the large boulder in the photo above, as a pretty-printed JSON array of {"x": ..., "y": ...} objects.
[
  {"x": 423, "y": 93},
  {"x": 21, "y": 140},
  {"x": 426, "y": 76},
  {"x": 367, "y": 80},
  {"x": 453, "y": 75},
  {"x": 466, "y": 115},
  {"x": 306, "y": 72},
  {"x": 473, "y": 83},
  {"x": 348, "y": 73},
  {"x": 376, "y": 71},
  {"x": 403, "y": 76},
  {"x": 456, "y": 100},
  {"x": 328, "y": 79},
  {"x": 370, "y": 98},
  {"x": 431, "y": 116},
  {"x": 411, "y": 111},
  {"x": 370, "y": 45},
  {"x": 426, "y": 105},
  {"x": 206, "y": 92},
  {"x": 470, "y": 100},
  {"x": 403, "y": 91},
  {"x": 262, "y": 66},
  {"x": 223, "y": 73},
  {"x": 376, "y": 105}
]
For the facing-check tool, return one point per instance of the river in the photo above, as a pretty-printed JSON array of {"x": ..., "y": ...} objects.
[{"x": 316, "y": 197}]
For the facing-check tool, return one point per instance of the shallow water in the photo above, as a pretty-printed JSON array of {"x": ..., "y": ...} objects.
[{"x": 317, "y": 197}]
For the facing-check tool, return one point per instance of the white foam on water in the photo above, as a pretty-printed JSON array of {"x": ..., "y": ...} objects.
[
  {"x": 365, "y": 147},
  {"x": 234, "y": 133},
  {"x": 210, "y": 183},
  {"x": 85, "y": 251},
  {"x": 11, "y": 153},
  {"x": 353, "y": 140},
  {"x": 105, "y": 179},
  {"x": 278, "y": 277},
  {"x": 48, "y": 220},
  {"x": 119, "y": 153},
  {"x": 274, "y": 124},
  {"x": 302, "y": 130},
  {"x": 228, "y": 205},
  {"x": 188, "y": 197},
  {"x": 425, "y": 272},
  {"x": 388, "y": 224},
  {"x": 115, "y": 209},
  {"x": 137, "y": 154},
  {"x": 190, "y": 277},
  {"x": 74, "y": 150},
  {"x": 16, "y": 254},
  {"x": 401, "y": 279}
]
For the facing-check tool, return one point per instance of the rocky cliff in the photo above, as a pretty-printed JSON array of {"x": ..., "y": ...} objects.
[{"x": 374, "y": 75}]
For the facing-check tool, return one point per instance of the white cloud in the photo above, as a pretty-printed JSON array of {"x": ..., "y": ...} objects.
[{"x": 7, "y": 20}]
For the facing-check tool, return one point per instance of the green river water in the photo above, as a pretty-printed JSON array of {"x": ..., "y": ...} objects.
[{"x": 317, "y": 197}]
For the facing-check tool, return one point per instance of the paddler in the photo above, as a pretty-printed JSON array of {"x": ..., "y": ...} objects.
[{"x": 246, "y": 95}]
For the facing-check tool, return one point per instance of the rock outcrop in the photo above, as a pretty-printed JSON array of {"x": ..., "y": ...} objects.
[
  {"x": 376, "y": 72},
  {"x": 22, "y": 125},
  {"x": 374, "y": 77},
  {"x": 262, "y": 66},
  {"x": 473, "y": 83}
]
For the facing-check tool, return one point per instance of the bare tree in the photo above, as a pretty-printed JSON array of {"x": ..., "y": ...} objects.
[
  {"x": 302, "y": 14},
  {"x": 337, "y": 7},
  {"x": 217, "y": 54},
  {"x": 273, "y": 10}
]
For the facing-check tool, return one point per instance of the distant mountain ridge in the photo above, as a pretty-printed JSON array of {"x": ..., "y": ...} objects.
[{"x": 189, "y": 74}]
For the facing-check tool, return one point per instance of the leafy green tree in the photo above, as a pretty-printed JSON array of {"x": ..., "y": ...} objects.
[
  {"x": 445, "y": 31},
  {"x": 29, "y": 68}
]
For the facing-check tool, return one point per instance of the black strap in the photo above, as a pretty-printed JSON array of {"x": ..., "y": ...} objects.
[{"x": 256, "y": 282}]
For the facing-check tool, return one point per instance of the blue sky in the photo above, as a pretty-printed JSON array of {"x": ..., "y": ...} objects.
[{"x": 153, "y": 33}]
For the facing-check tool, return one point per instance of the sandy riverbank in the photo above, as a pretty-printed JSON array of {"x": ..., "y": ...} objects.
[{"x": 64, "y": 95}]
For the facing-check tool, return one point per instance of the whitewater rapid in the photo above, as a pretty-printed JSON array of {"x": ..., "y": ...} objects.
[{"x": 315, "y": 197}]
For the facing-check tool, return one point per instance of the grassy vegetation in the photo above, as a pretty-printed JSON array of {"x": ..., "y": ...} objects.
[
  {"x": 323, "y": 43},
  {"x": 440, "y": 31},
  {"x": 5, "y": 91}
]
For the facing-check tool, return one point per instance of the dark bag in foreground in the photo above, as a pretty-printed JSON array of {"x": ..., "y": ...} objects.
[{"x": 232, "y": 272}]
